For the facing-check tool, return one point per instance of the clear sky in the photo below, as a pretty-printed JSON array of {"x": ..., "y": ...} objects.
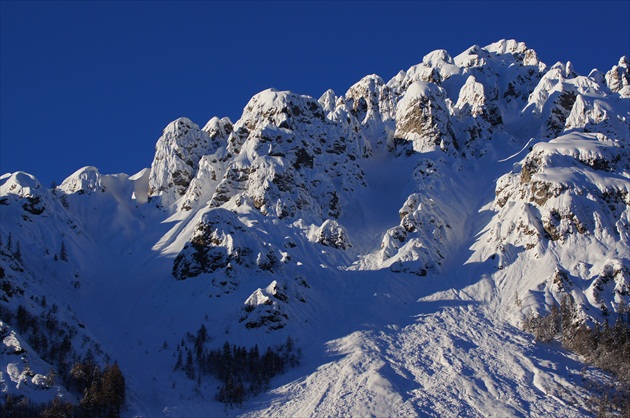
[{"x": 94, "y": 83}]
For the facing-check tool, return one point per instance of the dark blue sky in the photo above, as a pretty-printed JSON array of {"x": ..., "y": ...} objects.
[{"x": 94, "y": 83}]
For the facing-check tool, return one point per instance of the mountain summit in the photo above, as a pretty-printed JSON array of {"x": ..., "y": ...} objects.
[{"x": 398, "y": 236}]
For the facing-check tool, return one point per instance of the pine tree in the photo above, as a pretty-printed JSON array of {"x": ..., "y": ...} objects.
[
  {"x": 568, "y": 314},
  {"x": 51, "y": 377},
  {"x": 113, "y": 390},
  {"x": 18, "y": 252},
  {"x": 64, "y": 201},
  {"x": 57, "y": 408},
  {"x": 202, "y": 337},
  {"x": 624, "y": 312},
  {"x": 63, "y": 254}
]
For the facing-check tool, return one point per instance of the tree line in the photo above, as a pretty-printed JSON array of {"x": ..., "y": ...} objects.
[
  {"x": 603, "y": 346},
  {"x": 102, "y": 392},
  {"x": 241, "y": 371}
]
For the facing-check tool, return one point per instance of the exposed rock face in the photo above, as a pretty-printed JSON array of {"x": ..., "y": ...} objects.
[
  {"x": 331, "y": 234},
  {"x": 474, "y": 118},
  {"x": 569, "y": 205},
  {"x": 422, "y": 119},
  {"x": 289, "y": 158},
  {"x": 551, "y": 180},
  {"x": 222, "y": 244},
  {"x": 373, "y": 104},
  {"x": 555, "y": 96},
  {"x": 177, "y": 155},
  {"x": 618, "y": 78}
]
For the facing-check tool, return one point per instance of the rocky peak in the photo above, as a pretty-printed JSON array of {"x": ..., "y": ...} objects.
[
  {"x": 372, "y": 103},
  {"x": 618, "y": 78},
  {"x": 286, "y": 157},
  {"x": 437, "y": 58},
  {"x": 26, "y": 189},
  {"x": 474, "y": 117},
  {"x": 422, "y": 120},
  {"x": 472, "y": 99},
  {"x": 436, "y": 67},
  {"x": 177, "y": 155},
  {"x": 555, "y": 97},
  {"x": 328, "y": 101},
  {"x": 283, "y": 109},
  {"x": 507, "y": 46},
  {"x": 218, "y": 131},
  {"x": 475, "y": 56},
  {"x": 86, "y": 180},
  {"x": 20, "y": 184}
]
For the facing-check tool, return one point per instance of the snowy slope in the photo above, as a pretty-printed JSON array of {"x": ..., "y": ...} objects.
[{"x": 398, "y": 233}]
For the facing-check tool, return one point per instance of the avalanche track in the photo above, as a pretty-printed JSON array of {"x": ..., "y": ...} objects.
[{"x": 452, "y": 359}]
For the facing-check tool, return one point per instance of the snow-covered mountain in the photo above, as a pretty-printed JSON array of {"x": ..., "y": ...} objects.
[{"x": 399, "y": 234}]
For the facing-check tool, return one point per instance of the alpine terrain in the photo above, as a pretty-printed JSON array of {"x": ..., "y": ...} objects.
[{"x": 424, "y": 246}]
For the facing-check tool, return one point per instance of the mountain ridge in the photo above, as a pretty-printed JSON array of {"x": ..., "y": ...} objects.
[{"x": 371, "y": 206}]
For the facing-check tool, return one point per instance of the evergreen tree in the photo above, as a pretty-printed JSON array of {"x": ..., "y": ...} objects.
[
  {"x": 18, "y": 252},
  {"x": 51, "y": 377},
  {"x": 190, "y": 367},
  {"x": 568, "y": 314},
  {"x": 113, "y": 390},
  {"x": 63, "y": 254},
  {"x": 200, "y": 340},
  {"x": 57, "y": 409}
]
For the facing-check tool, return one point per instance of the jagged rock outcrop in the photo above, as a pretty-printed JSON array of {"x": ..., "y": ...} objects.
[
  {"x": 618, "y": 78},
  {"x": 25, "y": 188},
  {"x": 422, "y": 121},
  {"x": 290, "y": 159},
  {"x": 222, "y": 243},
  {"x": 553, "y": 99},
  {"x": 436, "y": 67},
  {"x": 569, "y": 205},
  {"x": 85, "y": 180},
  {"x": 331, "y": 234},
  {"x": 177, "y": 155},
  {"x": 373, "y": 104}
]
